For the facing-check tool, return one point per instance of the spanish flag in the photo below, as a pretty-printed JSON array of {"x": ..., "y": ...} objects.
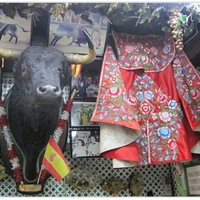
[
  {"x": 76, "y": 70},
  {"x": 54, "y": 161}
]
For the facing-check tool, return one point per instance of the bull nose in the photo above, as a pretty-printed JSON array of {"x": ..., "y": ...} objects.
[{"x": 49, "y": 91}]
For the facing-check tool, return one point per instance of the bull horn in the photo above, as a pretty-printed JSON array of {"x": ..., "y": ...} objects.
[
  {"x": 10, "y": 54},
  {"x": 83, "y": 59}
]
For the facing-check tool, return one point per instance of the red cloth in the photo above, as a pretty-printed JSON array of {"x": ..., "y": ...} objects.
[{"x": 154, "y": 89}]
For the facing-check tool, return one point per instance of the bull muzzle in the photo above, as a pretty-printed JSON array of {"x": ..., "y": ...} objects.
[
  {"x": 48, "y": 92},
  {"x": 13, "y": 54}
]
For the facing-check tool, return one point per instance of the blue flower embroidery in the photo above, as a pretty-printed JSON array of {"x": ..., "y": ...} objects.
[
  {"x": 172, "y": 104},
  {"x": 164, "y": 132},
  {"x": 180, "y": 71},
  {"x": 139, "y": 96},
  {"x": 148, "y": 95},
  {"x": 167, "y": 49}
]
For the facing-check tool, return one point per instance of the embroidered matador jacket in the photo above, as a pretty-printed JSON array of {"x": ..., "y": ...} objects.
[{"x": 148, "y": 104}]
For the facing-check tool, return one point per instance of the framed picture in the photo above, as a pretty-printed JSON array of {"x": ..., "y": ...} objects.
[
  {"x": 86, "y": 85},
  {"x": 66, "y": 33},
  {"x": 18, "y": 33},
  {"x": 192, "y": 179},
  {"x": 81, "y": 114},
  {"x": 85, "y": 143}
]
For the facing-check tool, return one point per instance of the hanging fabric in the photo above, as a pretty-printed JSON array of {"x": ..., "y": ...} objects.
[{"x": 148, "y": 104}]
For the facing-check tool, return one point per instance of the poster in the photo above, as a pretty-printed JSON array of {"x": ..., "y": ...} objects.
[{"x": 192, "y": 174}]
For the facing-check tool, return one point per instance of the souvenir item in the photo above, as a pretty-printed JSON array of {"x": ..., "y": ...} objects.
[
  {"x": 136, "y": 185},
  {"x": 114, "y": 185},
  {"x": 83, "y": 177}
]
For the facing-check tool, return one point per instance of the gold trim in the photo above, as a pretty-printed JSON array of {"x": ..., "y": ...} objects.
[{"x": 30, "y": 187}]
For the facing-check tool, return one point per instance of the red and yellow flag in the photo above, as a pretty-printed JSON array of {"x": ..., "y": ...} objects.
[
  {"x": 54, "y": 161},
  {"x": 76, "y": 70}
]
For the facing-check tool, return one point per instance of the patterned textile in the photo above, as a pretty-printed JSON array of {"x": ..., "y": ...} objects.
[{"x": 154, "y": 92}]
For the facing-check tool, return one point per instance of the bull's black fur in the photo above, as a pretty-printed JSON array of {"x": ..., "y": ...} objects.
[{"x": 32, "y": 118}]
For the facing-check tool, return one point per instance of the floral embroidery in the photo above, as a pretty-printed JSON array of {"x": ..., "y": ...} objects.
[
  {"x": 147, "y": 52},
  {"x": 172, "y": 144},
  {"x": 164, "y": 132},
  {"x": 165, "y": 116},
  {"x": 172, "y": 104},
  {"x": 128, "y": 48},
  {"x": 187, "y": 83},
  {"x": 159, "y": 114}
]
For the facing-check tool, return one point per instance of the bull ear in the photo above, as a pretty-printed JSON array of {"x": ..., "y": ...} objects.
[
  {"x": 10, "y": 54},
  {"x": 83, "y": 59}
]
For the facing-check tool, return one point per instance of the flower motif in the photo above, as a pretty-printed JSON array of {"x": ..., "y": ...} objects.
[
  {"x": 189, "y": 82},
  {"x": 148, "y": 94},
  {"x": 172, "y": 143},
  {"x": 165, "y": 116},
  {"x": 113, "y": 79},
  {"x": 114, "y": 92},
  {"x": 180, "y": 71},
  {"x": 132, "y": 100},
  {"x": 139, "y": 96},
  {"x": 162, "y": 98},
  {"x": 154, "y": 50},
  {"x": 145, "y": 108},
  {"x": 128, "y": 49},
  {"x": 172, "y": 104},
  {"x": 167, "y": 49},
  {"x": 164, "y": 132},
  {"x": 195, "y": 94}
]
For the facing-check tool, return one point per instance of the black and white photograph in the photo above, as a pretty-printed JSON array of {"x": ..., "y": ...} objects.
[
  {"x": 67, "y": 32},
  {"x": 86, "y": 85},
  {"x": 85, "y": 143},
  {"x": 81, "y": 114}
]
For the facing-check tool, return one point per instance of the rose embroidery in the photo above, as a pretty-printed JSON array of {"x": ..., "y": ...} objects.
[
  {"x": 114, "y": 92},
  {"x": 145, "y": 108},
  {"x": 128, "y": 48},
  {"x": 165, "y": 116},
  {"x": 172, "y": 143},
  {"x": 162, "y": 98},
  {"x": 154, "y": 50},
  {"x": 195, "y": 94},
  {"x": 113, "y": 79}
]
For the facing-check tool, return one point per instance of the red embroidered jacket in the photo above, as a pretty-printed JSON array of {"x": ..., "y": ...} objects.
[{"x": 155, "y": 90}]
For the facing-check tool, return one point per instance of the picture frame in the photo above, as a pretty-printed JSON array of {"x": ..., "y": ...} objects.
[
  {"x": 65, "y": 33},
  {"x": 18, "y": 33},
  {"x": 86, "y": 85},
  {"x": 192, "y": 179},
  {"x": 81, "y": 114},
  {"x": 85, "y": 143}
]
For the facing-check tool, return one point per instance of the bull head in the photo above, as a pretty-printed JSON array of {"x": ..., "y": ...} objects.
[
  {"x": 13, "y": 54},
  {"x": 43, "y": 105}
]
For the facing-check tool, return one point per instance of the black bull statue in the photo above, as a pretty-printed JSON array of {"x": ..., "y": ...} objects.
[{"x": 34, "y": 103}]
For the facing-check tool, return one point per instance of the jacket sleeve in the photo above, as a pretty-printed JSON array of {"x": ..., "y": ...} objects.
[{"x": 188, "y": 86}]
